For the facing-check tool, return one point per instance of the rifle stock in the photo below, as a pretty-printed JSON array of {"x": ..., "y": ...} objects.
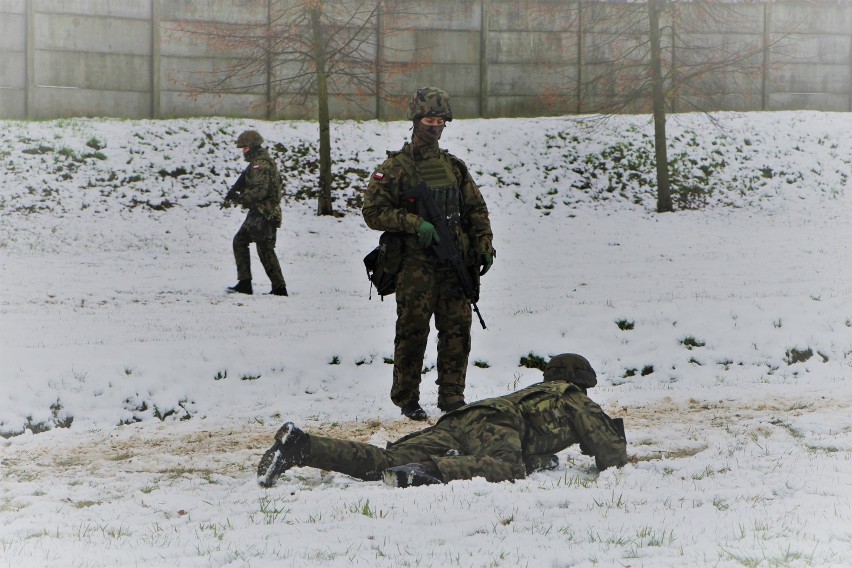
[{"x": 446, "y": 249}]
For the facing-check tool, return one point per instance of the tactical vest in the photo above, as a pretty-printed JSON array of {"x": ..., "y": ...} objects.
[
  {"x": 546, "y": 415},
  {"x": 438, "y": 174}
]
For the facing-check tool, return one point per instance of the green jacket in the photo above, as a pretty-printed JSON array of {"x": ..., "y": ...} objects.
[
  {"x": 385, "y": 207},
  {"x": 260, "y": 190},
  {"x": 522, "y": 431}
]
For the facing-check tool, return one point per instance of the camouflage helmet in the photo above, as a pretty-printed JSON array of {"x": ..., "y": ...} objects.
[
  {"x": 249, "y": 138},
  {"x": 430, "y": 101},
  {"x": 571, "y": 368}
]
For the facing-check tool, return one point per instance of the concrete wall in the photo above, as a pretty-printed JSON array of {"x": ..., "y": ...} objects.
[{"x": 135, "y": 59}]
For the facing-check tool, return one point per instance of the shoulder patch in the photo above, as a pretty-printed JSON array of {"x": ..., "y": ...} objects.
[{"x": 379, "y": 176}]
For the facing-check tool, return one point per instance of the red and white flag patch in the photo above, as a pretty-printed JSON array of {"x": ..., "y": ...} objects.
[{"x": 379, "y": 176}]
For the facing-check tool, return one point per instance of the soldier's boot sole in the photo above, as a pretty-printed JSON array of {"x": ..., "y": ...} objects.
[{"x": 290, "y": 449}]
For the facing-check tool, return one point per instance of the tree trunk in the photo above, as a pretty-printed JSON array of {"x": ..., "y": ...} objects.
[
  {"x": 324, "y": 201},
  {"x": 664, "y": 196}
]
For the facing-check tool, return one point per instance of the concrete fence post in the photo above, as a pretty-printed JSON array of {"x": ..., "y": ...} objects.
[
  {"x": 484, "y": 24},
  {"x": 764, "y": 75},
  {"x": 156, "y": 40},
  {"x": 580, "y": 27},
  {"x": 29, "y": 97}
]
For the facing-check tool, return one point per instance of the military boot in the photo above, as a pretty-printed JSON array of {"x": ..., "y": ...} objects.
[
  {"x": 241, "y": 287},
  {"x": 412, "y": 475},
  {"x": 292, "y": 448},
  {"x": 414, "y": 411},
  {"x": 279, "y": 291}
]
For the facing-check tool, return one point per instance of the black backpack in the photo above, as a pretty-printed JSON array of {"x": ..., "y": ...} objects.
[{"x": 382, "y": 264}]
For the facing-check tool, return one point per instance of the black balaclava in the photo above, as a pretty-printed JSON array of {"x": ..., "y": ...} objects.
[{"x": 428, "y": 134}]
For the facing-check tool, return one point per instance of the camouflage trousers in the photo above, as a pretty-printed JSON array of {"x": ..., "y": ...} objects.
[
  {"x": 425, "y": 288},
  {"x": 256, "y": 229},
  {"x": 471, "y": 442}
]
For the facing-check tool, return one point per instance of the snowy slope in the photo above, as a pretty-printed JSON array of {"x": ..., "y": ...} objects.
[{"x": 159, "y": 391}]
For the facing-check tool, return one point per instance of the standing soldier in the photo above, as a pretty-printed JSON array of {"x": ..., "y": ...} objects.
[
  {"x": 258, "y": 189},
  {"x": 425, "y": 285},
  {"x": 500, "y": 439}
]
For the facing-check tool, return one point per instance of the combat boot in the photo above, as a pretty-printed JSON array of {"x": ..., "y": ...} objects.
[
  {"x": 279, "y": 291},
  {"x": 414, "y": 411},
  {"x": 412, "y": 475},
  {"x": 241, "y": 287},
  {"x": 292, "y": 448}
]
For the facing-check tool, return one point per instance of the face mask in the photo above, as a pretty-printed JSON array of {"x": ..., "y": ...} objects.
[{"x": 428, "y": 134}]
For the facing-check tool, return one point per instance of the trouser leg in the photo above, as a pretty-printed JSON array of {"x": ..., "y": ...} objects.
[
  {"x": 269, "y": 260},
  {"x": 242, "y": 256},
  {"x": 366, "y": 461},
  {"x": 414, "y": 307},
  {"x": 453, "y": 321}
]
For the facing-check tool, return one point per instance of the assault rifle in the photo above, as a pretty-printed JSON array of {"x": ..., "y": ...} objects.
[
  {"x": 446, "y": 248},
  {"x": 234, "y": 190}
]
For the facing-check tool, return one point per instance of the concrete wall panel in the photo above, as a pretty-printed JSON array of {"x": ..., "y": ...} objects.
[
  {"x": 535, "y": 47},
  {"x": 13, "y": 7},
  {"x": 186, "y": 74},
  {"x": 130, "y": 9},
  {"x": 536, "y": 15},
  {"x": 243, "y": 12},
  {"x": 13, "y": 71},
  {"x": 69, "y": 102},
  {"x": 175, "y": 104},
  {"x": 804, "y": 18},
  {"x": 721, "y": 18},
  {"x": 109, "y": 72},
  {"x": 451, "y": 15},
  {"x": 433, "y": 45},
  {"x": 811, "y": 78},
  {"x": 531, "y": 80},
  {"x": 13, "y": 32},
  {"x": 797, "y": 101},
  {"x": 13, "y": 103},
  {"x": 86, "y": 33}
]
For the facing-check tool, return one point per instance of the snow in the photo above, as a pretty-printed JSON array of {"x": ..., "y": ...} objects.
[{"x": 137, "y": 396}]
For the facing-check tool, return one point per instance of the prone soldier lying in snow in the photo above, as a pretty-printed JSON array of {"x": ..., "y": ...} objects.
[{"x": 503, "y": 438}]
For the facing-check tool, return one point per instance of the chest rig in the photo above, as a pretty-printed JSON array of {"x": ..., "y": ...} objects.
[{"x": 437, "y": 173}]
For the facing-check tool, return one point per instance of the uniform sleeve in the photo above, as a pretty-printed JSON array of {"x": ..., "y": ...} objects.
[
  {"x": 382, "y": 208},
  {"x": 475, "y": 213},
  {"x": 258, "y": 184},
  {"x": 597, "y": 433}
]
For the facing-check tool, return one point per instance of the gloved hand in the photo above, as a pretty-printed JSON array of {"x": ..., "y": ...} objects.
[
  {"x": 426, "y": 233},
  {"x": 485, "y": 262}
]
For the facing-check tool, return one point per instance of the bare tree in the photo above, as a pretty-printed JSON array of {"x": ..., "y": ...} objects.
[
  {"x": 306, "y": 53},
  {"x": 663, "y": 56}
]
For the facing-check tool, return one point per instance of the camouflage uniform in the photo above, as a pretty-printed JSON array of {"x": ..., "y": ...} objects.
[
  {"x": 260, "y": 193},
  {"x": 499, "y": 439},
  {"x": 426, "y": 286}
]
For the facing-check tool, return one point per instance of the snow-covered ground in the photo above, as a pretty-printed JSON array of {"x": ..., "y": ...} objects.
[{"x": 137, "y": 396}]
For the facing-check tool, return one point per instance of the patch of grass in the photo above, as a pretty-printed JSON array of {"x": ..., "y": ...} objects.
[
  {"x": 220, "y": 375},
  {"x": 388, "y": 360},
  {"x": 625, "y": 325},
  {"x": 249, "y": 377},
  {"x": 690, "y": 342},
  {"x": 481, "y": 364},
  {"x": 795, "y": 355},
  {"x": 95, "y": 144},
  {"x": 532, "y": 361},
  {"x": 335, "y": 360}
]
